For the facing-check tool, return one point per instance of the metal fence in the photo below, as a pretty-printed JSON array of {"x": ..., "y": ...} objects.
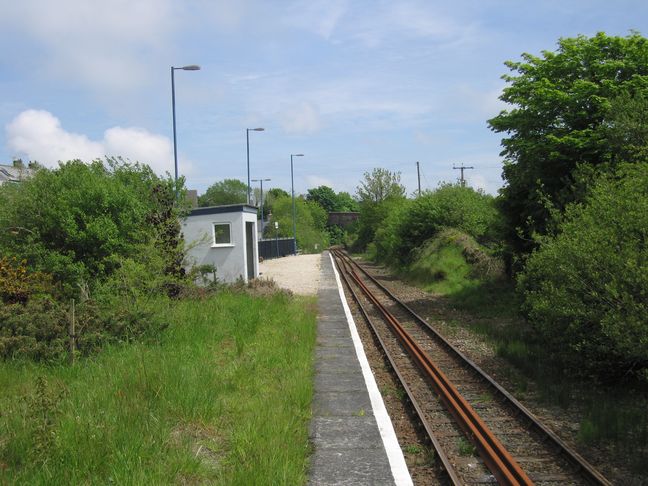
[{"x": 276, "y": 247}]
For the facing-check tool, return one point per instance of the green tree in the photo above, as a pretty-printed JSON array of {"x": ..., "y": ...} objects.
[
  {"x": 371, "y": 219},
  {"x": 627, "y": 130},
  {"x": 310, "y": 223},
  {"x": 378, "y": 189},
  {"x": 560, "y": 123},
  {"x": 346, "y": 202},
  {"x": 325, "y": 197},
  {"x": 378, "y": 185},
  {"x": 271, "y": 197},
  {"x": 277, "y": 192},
  {"x": 586, "y": 290},
  {"x": 387, "y": 239},
  {"x": 227, "y": 191},
  {"x": 330, "y": 201}
]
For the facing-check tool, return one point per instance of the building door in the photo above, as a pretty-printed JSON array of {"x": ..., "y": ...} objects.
[{"x": 249, "y": 249}]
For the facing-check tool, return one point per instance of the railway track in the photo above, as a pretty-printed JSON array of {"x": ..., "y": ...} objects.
[{"x": 480, "y": 433}]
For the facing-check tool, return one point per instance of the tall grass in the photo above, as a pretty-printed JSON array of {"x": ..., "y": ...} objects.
[{"x": 223, "y": 398}]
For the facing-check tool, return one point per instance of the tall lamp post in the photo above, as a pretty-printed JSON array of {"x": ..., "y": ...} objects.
[
  {"x": 247, "y": 138},
  {"x": 191, "y": 67},
  {"x": 261, "y": 181},
  {"x": 292, "y": 190}
]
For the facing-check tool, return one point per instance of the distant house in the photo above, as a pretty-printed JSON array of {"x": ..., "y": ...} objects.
[
  {"x": 225, "y": 237},
  {"x": 15, "y": 173}
]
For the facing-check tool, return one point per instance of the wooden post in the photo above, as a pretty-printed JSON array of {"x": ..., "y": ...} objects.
[{"x": 71, "y": 332}]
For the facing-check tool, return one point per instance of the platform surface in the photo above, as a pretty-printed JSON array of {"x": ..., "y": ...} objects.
[{"x": 347, "y": 444}]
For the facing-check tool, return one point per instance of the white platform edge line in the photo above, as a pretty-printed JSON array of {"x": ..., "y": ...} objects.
[{"x": 394, "y": 453}]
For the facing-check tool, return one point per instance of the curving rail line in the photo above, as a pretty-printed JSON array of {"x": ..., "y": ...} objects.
[{"x": 496, "y": 457}]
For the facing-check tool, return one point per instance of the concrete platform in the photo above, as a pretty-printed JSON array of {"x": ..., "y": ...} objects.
[{"x": 350, "y": 430}]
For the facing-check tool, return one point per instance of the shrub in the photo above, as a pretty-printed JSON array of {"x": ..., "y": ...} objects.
[
  {"x": 372, "y": 215},
  {"x": 17, "y": 283},
  {"x": 402, "y": 226},
  {"x": 387, "y": 237},
  {"x": 78, "y": 221},
  {"x": 38, "y": 329},
  {"x": 104, "y": 234},
  {"x": 586, "y": 290}
]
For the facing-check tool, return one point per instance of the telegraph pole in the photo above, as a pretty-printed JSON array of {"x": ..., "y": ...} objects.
[
  {"x": 418, "y": 174},
  {"x": 462, "y": 168}
]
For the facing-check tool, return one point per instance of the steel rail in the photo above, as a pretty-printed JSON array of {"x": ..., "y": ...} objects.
[
  {"x": 420, "y": 415},
  {"x": 498, "y": 460},
  {"x": 588, "y": 471}
]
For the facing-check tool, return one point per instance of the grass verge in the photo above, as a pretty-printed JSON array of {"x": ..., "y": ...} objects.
[{"x": 223, "y": 398}]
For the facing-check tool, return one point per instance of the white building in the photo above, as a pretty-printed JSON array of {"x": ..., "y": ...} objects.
[
  {"x": 226, "y": 237},
  {"x": 14, "y": 173}
]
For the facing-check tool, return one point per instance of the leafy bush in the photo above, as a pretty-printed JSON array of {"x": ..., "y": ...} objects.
[
  {"x": 586, "y": 289},
  {"x": 123, "y": 308},
  {"x": 372, "y": 215},
  {"x": 17, "y": 284},
  {"x": 78, "y": 221},
  {"x": 104, "y": 234},
  {"x": 387, "y": 239},
  {"x": 38, "y": 329},
  {"x": 403, "y": 226}
]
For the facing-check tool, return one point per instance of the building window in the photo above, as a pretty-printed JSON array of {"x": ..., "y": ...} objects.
[{"x": 222, "y": 234}]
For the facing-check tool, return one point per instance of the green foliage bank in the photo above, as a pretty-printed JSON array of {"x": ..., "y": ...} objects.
[
  {"x": 586, "y": 289},
  {"x": 106, "y": 235}
]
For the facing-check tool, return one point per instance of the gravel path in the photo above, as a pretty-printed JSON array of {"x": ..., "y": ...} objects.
[{"x": 299, "y": 274}]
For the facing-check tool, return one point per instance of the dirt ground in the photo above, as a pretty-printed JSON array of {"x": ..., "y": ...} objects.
[{"x": 299, "y": 274}]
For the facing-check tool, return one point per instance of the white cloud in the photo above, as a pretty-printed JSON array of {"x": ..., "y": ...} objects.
[
  {"x": 106, "y": 45},
  {"x": 301, "y": 118},
  {"x": 38, "y": 135},
  {"x": 141, "y": 145},
  {"x": 316, "y": 181}
]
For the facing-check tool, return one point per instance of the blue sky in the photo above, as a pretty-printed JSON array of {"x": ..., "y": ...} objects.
[{"x": 351, "y": 84}]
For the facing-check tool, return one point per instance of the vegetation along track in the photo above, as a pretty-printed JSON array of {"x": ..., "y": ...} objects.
[{"x": 460, "y": 407}]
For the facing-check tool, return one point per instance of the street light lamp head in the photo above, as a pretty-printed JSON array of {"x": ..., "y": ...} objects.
[
  {"x": 297, "y": 155},
  {"x": 257, "y": 129},
  {"x": 191, "y": 67}
]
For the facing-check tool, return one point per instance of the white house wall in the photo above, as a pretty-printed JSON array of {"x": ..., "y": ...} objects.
[{"x": 230, "y": 261}]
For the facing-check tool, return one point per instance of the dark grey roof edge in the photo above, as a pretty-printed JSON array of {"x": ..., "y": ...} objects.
[{"x": 230, "y": 208}]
